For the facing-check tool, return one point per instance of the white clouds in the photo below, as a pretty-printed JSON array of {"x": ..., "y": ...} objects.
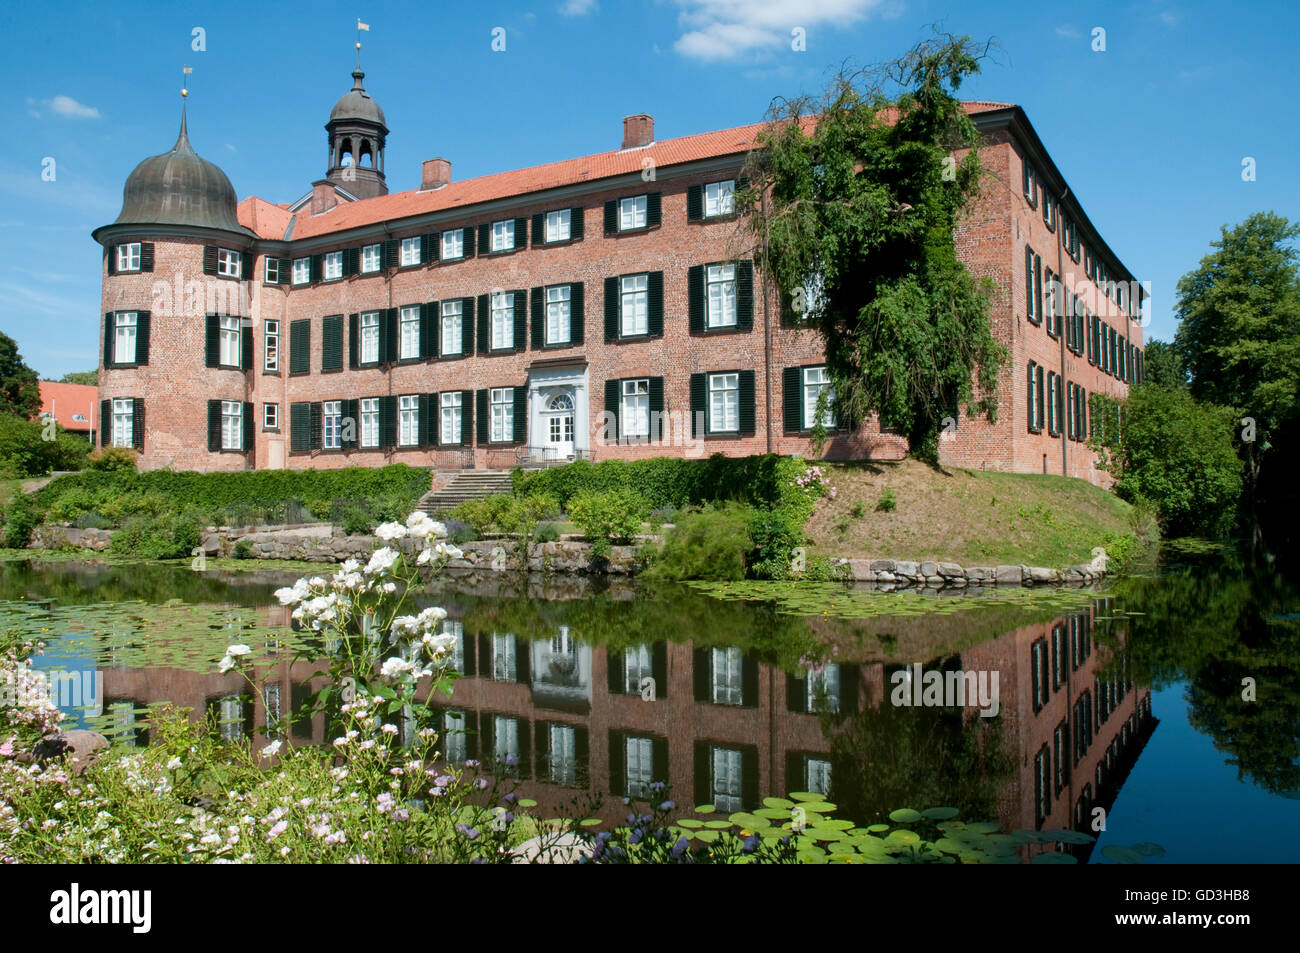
[
  {"x": 64, "y": 106},
  {"x": 729, "y": 29},
  {"x": 1068, "y": 32},
  {"x": 577, "y": 8}
]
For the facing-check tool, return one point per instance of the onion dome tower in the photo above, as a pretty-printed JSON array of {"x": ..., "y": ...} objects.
[{"x": 356, "y": 134}]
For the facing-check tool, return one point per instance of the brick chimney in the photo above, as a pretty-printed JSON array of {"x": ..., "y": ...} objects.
[
  {"x": 638, "y": 130},
  {"x": 435, "y": 174},
  {"x": 323, "y": 196}
]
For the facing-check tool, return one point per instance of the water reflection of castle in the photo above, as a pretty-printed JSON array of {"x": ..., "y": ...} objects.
[{"x": 565, "y": 716}]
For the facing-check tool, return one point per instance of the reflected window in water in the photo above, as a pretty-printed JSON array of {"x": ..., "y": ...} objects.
[
  {"x": 271, "y": 699},
  {"x": 505, "y": 739},
  {"x": 728, "y": 676},
  {"x": 124, "y": 723},
  {"x": 504, "y": 662},
  {"x": 639, "y": 766},
  {"x": 818, "y": 779},
  {"x": 728, "y": 781},
  {"x": 457, "y": 628},
  {"x": 563, "y": 755},
  {"x": 1060, "y": 749},
  {"x": 232, "y": 714},
  {"x": 455, "y": 745},
  {"x": 824, "y": 689},
  {"x": 564, "y": 657},
  {"x": 1038, "y": 669},
  {"x": 1042, "y": 780},
  {"x": 1060, "y": 650},
  {"x": 637, "y": 665}
]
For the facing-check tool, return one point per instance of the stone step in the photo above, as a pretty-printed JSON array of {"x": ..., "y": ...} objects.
[{"x": 464, "y": 486}]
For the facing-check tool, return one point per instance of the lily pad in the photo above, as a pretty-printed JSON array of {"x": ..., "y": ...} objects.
[
  {"x": 905, "y": 815},
  {"x": 1121, "y": 855},
  {"x": 940, "y": 813}
]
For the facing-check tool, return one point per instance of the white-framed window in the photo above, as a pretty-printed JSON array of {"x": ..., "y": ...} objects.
[
  {"x": 558, "y": 226},
  {"x": 333, "y": 265},
  {"x": 232, "y": 425},
  {"x": 724, "y": 402},
  {"x": 503, "y": 320},
  {"x": 228, "y": 263},
  {"x": 728, "y": 781},
  {"x": 558, "y": 314},
  {"x": 631, "y": 213},
  {"x": 637, "y": 666},
  {"x": 453, "y": 244},
  {"x": 728, "y": 676},
  {"x": 823, "y": 689},
  {"x": 635, "y": 305},
  {"x": 409, "y": 332},
  {"x": 124, "y": 331},
  {"x": 819, "y": 776},
  {"x": 271, "y": 345},
  {"x": 451, "y": 416},
  {"x": 504, "y": 663},
  {"x": 563, "y": 755},
  {"x": 561, "y": 419},
  {"x": 369, "y": 410},
  {"x": 123, "y": 422},
  {"x": 815, "y": 380},
  {"x": 639, "y": 764},
  {"x": 719, "y": 198},
  {"x": 452, "y": 325},
  {"x": 720, "y": 283},
  {"x": 634, "y": 414},
  {"x": 270, "y": 416},
  {"x": 369, "y": 337},
  {"x": 454, "y": 739},
  {"x": 410, "y": 251},
  {"x": 505, "y": 739},
  {"x": 272, "y": 271},
  {"x": 503, "y": 413},
  {"x": 128, "y": 257},
  {"x": 229, "y": 341},
  {"x": 408, "y": 420},
  {"x": 371, "y": 255},
  {"x": 332, "y": 424},
  {"x": 301, "y": 271},
  {"x": 503, "y": 235}
]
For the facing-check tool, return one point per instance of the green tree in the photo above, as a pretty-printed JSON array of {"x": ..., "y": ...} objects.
[
  {"x": 81, "y": 377},
  {"x": 1163, "y": 446},
  {"x": 1164, "y": 365},
  {"x": 1239, "y": 331},
  {"x": 20, "y": 391},
  {"x": 852, "y": 207}
]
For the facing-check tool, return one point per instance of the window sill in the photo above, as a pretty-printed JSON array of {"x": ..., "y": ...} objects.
[
  {"x": 270, "y": 430},
  {"x": 229, "y": 277},
  {"x": 639, "y": 230},
  {"x": 558, "y": 243},
  {"x": 331, "y": 370},
  {"x": 708, "y": 219},
  {"x": 559, "y": 345},
  {"x": 635, "y": 337},
  {"x": 502, "y": 251},
  {"x": 270, "y": 372},
  {"x": 450, "y": 261},
  {"x": 411, "y": 360},
  {"x": 456, "y": 356},
  {"x": 724, "y": 329},
  {"x": 377, "y": 271}
]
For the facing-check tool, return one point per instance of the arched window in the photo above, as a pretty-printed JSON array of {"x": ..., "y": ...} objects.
[{"x": 561, "y": 403}]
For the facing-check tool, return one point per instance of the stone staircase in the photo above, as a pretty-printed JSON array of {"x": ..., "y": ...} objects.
[{"x": 466, "y": 485}]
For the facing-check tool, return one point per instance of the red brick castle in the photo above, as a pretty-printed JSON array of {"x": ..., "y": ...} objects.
[{"x": 599, "y": 307}]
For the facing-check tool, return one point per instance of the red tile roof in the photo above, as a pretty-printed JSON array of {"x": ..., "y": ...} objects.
[
  {"x": 269, "y": 221},
  {"x": 67, "y": 402}
]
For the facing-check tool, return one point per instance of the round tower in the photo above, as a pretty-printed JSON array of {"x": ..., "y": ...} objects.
[{"x": 356, "y": 134}]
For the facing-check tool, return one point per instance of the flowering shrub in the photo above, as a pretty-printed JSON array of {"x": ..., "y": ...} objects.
[
  {"x": 27, "y": 712},
  {"x": 814, "y": 482}
]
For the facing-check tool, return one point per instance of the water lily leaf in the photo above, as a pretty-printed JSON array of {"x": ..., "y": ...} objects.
[
  {"x": 777, "y": 802},
  {"x": 1067, "y": 837},
  {"x": 753, "y": 822},
  {"x": 705, "y": 809},
  {"x": 940, "y": 813},
  {"x": 708, "y": 837},
  {"x": 1148, "y": 849},
  {"x": 984, "y": 827},
  {"x": 878, "y": 828},
  {"x": 718, "y": 825},
  {"x": 527, "y": 802},
  {"x": 591, "y": 822},
  {"x": 690, "y": 822},
  {"x": 806, "y": 796},
  {"x": 901, "y": 838},
  {"x": 905, "y": 815},
  {"x": 1121, "y": 855}
]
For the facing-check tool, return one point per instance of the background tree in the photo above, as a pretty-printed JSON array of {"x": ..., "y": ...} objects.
[
  {"x": 81, "y": 377},
  {"x": 852, "y": 203},
  {"x": 1239, "y": 331},
  {"x": 20, "y": 391},
  {"x": 1164, "y": 365}
]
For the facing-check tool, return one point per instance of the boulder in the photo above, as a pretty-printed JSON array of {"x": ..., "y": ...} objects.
[
  {"x": 79, "y": 745},
  {"x": 951, "y": 571},
  {"x": 928, "y": 569},
  {"x": 882, "y": 565},
  {"x": 1041, "y": 574},
  {"x": 1009, "y": 575}
]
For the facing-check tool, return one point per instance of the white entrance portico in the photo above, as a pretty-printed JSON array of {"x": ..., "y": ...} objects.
[{"x": 558, "y": 420}]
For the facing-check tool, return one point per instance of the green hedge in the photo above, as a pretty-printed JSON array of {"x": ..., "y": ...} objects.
[{"x": 764, "y": 481}]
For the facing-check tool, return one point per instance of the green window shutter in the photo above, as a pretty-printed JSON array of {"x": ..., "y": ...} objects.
[
  {"x": 484, "y": 331},
  {"x": 520, "y": 424},
  {"x": 520, "y": 303},
  {"x": 214, "y": 426},
  {"x": 792, "y": 397},
  {"x": 745, "y": 294},
  {"x": 388, "y": 339},
  {"x": 695, "y": 203},
  {"x": 539, "y": 318},
  {"x": 466, "y": 417},
  {"x": 699, "y": 424},
  {"x": 467, "y": 326},
  {"x": 1038, "y": 290},
  {"x": 654, "y": 214},
  {"x": 577, "y": 313},
  {"x": 111, "y": 264},
  {"x": 392, "y": 254},
  {"x": 105, "y": 422},
  {"x": 245, "y": 344},
  {"x": 317, "y": 268},
  {"x": 285, "y": 271},
  {"x": 209, "y": 259},
  {"x": 137, "y": 422},
  {"x": 695, "y": 298},
  {"x": 247, "y": 420},
  {"x": 1029, "y": 396},
  {"x": 576, "y": 224},
  {"x": 656, "y": 403},
  {"x": 611, "y": 309},
  {"x": 146, "y": 256},
  {"x": 388, "y": 421},
  {"x": 108, "y": 338},
  {"x": 611, "y": 217},
  {"x": 143, "y": 321},
  {"x": 429, "y": 329},
  {"x": 354, "y": 340},
  {"x": 539, "y": 229},
  {"x": 300, "y": 346},
  {"x": 484, "y": 238},
  {"x": 1029, "y": 282},
  {"x": 655, "y": 294},
  {"x": 430, "y": 247},
  {"x": 332, "y": 343},
  {"x": 315, "y": 431},
  {"x": 428, "y": 413},
  {"x": 211, "y": 340},
  {"x": 748, "y": 409},
  {"x": 521, "y": 233},
  {"x": 350, "y": 423},
  {"x": 1039, "y": 411},
  {"x": 481, "y": 408},
  {"x": 351, "y": 262},
  {"x": 612, "y": 406},
  {"x": 299, "y": 427}
]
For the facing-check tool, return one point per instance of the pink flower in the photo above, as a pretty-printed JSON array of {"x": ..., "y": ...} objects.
[{"x": 7, "y": 749}]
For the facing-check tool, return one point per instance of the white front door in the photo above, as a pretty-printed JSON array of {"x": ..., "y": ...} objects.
[{"x": 557, "y": 418}]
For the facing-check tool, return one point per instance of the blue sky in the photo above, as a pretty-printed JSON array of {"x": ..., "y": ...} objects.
[{"x": 1150, "y": 133}]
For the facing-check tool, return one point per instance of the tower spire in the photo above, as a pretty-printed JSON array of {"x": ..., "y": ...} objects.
[{"x": 183, "y": 140}]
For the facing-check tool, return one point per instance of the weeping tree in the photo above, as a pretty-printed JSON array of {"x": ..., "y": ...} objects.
[{"x": 853, "y": 201}]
